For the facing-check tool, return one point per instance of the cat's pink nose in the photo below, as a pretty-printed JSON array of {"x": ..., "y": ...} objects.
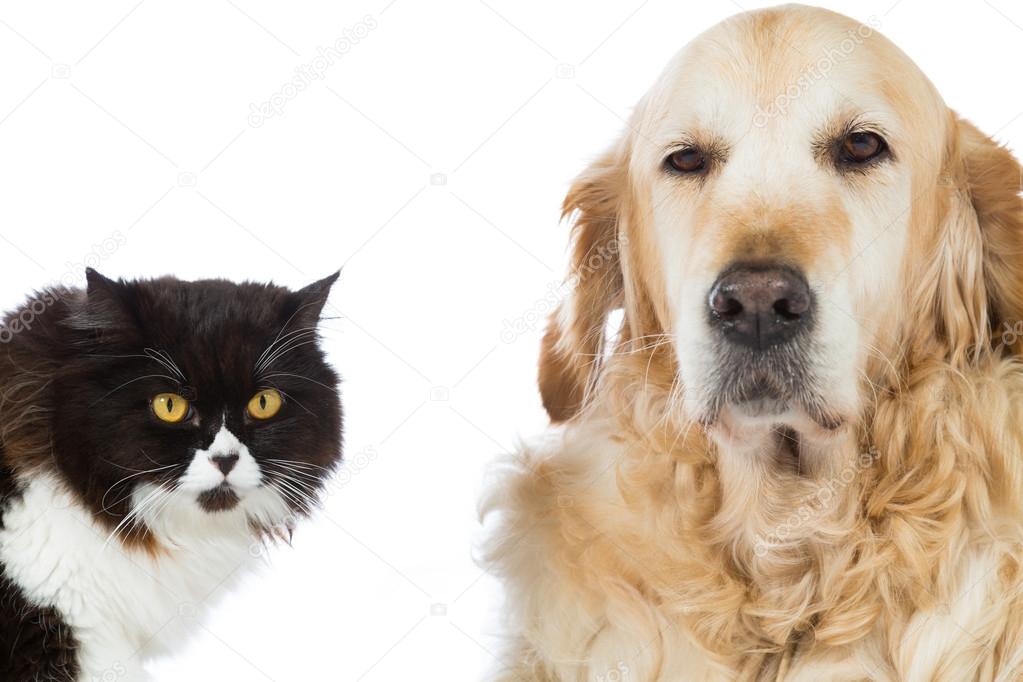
[{"x": 224, "y": 462}]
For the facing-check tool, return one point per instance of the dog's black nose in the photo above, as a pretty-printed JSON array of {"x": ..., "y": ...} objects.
[
  {"x": 760, "y": 306},
  {"x": 225, "y": 462}
]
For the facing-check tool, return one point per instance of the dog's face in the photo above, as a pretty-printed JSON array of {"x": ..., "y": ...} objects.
[
  {"x": 780, "y": 162},
  {"x": 783, "y": 199}
]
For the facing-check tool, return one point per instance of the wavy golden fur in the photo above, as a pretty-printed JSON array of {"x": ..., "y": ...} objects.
[{"x": 638, "y": 543}]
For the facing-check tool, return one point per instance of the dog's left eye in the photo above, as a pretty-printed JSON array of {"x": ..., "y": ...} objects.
[
  {"x": 859, "y": 148},
  {"x": 688, "y": 160}
]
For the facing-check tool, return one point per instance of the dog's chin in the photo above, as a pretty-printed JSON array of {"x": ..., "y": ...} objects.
[
  {"x": 766, "y": 409},
  {"x": 768, "y": 414}
]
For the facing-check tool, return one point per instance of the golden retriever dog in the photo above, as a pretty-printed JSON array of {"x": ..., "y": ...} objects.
[{"x": 799, "y": 456}]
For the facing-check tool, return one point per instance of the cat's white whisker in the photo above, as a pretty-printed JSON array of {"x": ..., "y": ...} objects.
[
  {"x": 103, "y": 501},
  {"x": 159, "y": 356},
  {"x": 285, "y": 494},
  {"x": 121, "y": 466},
  {"x": 299, "y": 487},
  {"x": 300, "y": 498},
  {"x": 153, "y": 513},
  {"x": 291, "y": 462},
  {"x": 271, "y": 467},
  {"x": 165, "y": 359},
  {"x": 288, "y": 348},
  {"x": 135, "y": 513},
  {"x": 292, "y": 317},
  {"x": 299, "y": 376},
  {"x": 295, "y": 486},
  {"x": 290, "y": 398},
  {"x": 282, "y": 341},
  {"x": 131, "y": 381}
]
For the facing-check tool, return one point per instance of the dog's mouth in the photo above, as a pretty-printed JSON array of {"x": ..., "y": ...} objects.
[
  {"x": 772, "y": 388},
  {"x": 219, "y": 499}
]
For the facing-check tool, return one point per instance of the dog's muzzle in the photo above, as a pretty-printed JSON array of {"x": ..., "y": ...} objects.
[{"x": 763, "y": 317}]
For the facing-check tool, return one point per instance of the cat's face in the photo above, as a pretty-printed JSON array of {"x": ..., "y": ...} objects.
[{"x": 187, "y": 403}]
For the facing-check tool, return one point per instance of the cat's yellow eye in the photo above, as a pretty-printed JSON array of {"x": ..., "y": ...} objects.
[
  {"x": 265, "y": 404},
  {"x": 170, "y": 407}
]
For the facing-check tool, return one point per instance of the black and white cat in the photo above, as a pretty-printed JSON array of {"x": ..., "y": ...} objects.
[{"x": 153, "y": 434}]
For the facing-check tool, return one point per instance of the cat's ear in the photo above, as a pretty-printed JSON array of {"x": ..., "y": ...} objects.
[
  {"x": 109, "y": 301},
  {"x": 310, "y": 300},
  {"x": 108, "y": 309}
]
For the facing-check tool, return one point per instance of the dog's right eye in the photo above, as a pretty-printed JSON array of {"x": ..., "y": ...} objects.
[
  {"x": 860, "y": 148},
  {"x": 688, "y": 160}
]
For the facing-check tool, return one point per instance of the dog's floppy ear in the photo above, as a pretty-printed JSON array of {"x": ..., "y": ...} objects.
[
  {"x": 978, "y": 278},
  {"x": 996, "y": 179},
  {"x": 573, "y": 345}
]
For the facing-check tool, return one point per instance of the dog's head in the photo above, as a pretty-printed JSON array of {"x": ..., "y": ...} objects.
[{"x": 797, "y": 214}]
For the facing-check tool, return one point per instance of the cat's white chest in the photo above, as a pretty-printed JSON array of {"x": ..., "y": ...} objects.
[{"x": 123, "y": 605}]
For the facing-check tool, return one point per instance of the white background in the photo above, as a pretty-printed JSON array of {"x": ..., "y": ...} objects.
[{"x": 429, "y": 161}]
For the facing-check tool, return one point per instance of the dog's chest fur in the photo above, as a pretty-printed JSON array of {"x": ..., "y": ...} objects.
[
  {"x": 119, "y": 605},
  {"x": 613, "y": 579}
]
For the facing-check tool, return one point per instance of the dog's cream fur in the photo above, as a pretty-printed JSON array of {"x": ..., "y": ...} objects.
[{"x": 643, "y": 538}]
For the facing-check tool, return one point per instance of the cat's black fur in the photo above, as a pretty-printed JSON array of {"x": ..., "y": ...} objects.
[
  {"x": 35, "y": 643},
  {"x": 78, "y": 369}
]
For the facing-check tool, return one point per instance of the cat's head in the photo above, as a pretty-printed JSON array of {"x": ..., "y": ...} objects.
[{"x": 185, "y": 406}]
